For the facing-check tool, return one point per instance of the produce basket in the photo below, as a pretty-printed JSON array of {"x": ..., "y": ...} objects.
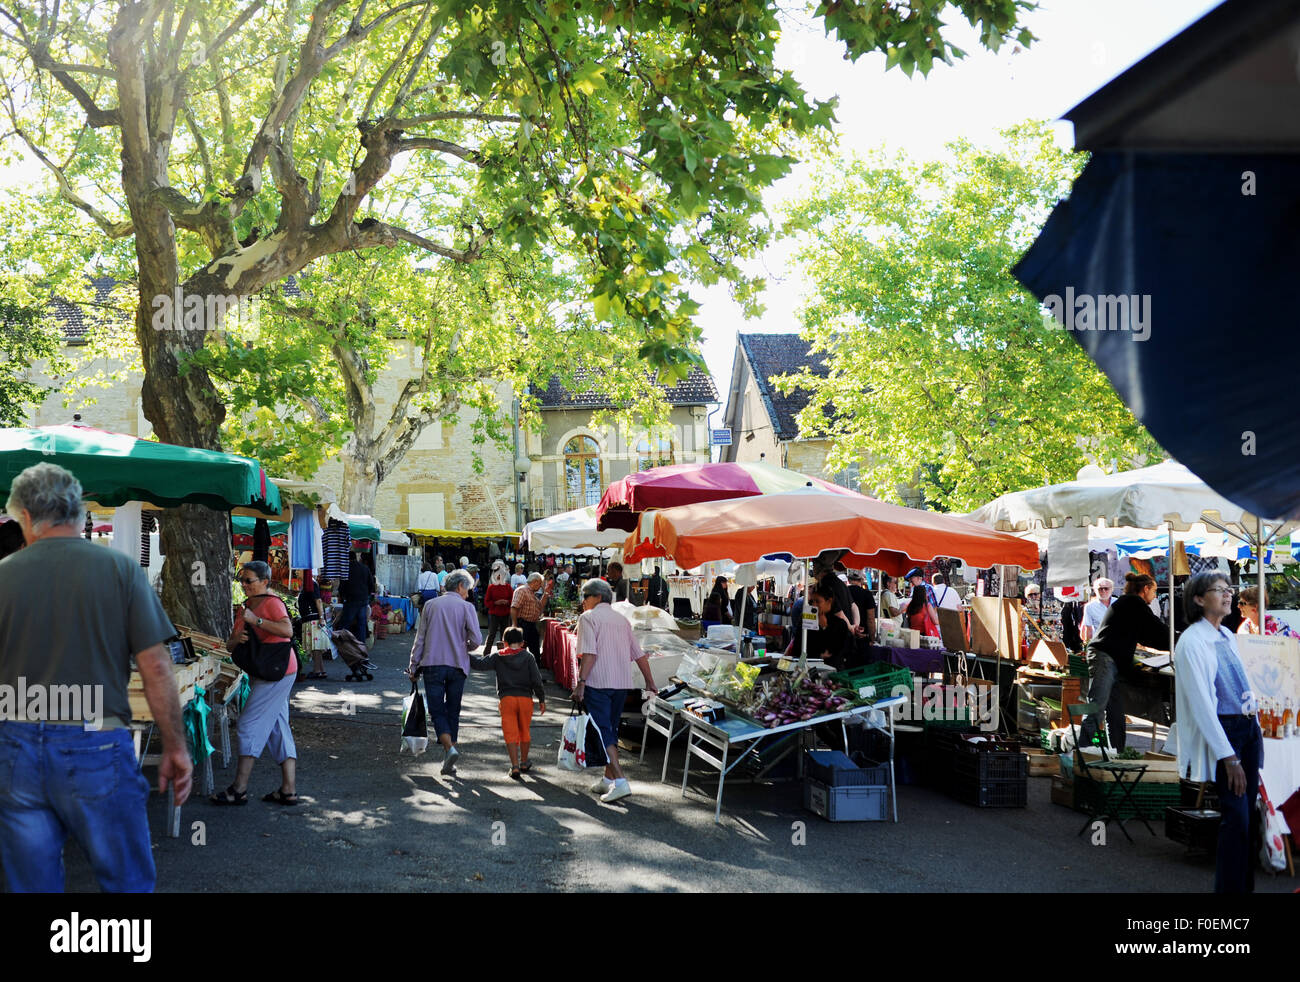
[{"x": 882, "y": 675}]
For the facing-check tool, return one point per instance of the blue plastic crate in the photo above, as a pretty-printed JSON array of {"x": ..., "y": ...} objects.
[{"x": 862, "y": 804}]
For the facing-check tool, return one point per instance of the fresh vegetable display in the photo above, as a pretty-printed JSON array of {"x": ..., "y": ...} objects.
[{"x": 797, "y": 700}]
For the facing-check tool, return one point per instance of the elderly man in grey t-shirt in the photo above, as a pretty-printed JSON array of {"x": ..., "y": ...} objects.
[{"x": 64, "y": 743}]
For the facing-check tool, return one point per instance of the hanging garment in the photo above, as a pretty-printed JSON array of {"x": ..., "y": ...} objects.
[
  {"x": 126, "y": 529},
  {"x": 335, "y": 543},
  {"x": 303, "y": 530},
  {"x": 317, "y": 551},
  {"x": 148, "y": 524},
  {"x": 261, "y": 541}
]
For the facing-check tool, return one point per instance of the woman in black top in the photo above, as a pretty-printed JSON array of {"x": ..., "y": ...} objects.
[
  {"x": 311, "y": 609},
  {"x": 833, "y": 640},
  {"x": 717, "y": 608},
  {"x": 1128, "y": 623}
]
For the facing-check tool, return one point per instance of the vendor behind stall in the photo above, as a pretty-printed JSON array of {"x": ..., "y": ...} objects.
[
  {"x": 833, "y": 640},
  {"x": 1128, "y": 623}
]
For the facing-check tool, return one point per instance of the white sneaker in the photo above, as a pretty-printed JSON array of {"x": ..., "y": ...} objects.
[
  {"x": 449, "y": 760},
  {"x": 621, "y": 789},
  {"x": 601, "y": 786}
]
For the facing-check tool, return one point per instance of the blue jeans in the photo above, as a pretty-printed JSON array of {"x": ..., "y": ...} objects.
[
  {"x": 1106, "y": 692},
  {"x": 443, "y": 687},
  {"x": 1239, "y": 829},
  {"x": 61, "y": 780}
]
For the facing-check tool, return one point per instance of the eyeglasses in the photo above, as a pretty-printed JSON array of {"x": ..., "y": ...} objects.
[
  {"x": 1103, "y": 589},
  {"x": 1225, "y": 590},
  {"x": 246, "y": 580}
]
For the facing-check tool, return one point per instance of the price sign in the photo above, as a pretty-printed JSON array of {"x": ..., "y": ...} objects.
[{"x": 810, "y": 619}]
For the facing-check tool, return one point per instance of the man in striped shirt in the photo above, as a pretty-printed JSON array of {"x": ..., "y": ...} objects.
[{"x": 607, "y": 649}]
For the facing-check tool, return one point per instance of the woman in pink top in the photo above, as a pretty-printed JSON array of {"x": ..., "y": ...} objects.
[{"x": 264, "y": 720}]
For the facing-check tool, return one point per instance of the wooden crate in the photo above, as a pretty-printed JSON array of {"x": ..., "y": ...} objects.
[
  {"x": 1062, "y": 791},
  {"x": 1042, "y": 763}
]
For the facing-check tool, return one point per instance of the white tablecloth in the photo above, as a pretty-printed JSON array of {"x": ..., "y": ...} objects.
[{"x": 1281, "y": 771}]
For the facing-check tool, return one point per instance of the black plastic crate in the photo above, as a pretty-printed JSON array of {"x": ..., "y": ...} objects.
[
  {"x": 1188, "y": 791},
  {"x": 1194, "y": 829},
  {"x": 992, "y": 794},
  {"x": 992, "y": 766}
]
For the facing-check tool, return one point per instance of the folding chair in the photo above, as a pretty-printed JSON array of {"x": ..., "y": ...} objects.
[{"x": 1125, "y": 774}]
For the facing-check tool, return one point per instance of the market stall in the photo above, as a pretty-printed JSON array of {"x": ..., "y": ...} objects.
[
  {"x": 132, "y": 476},
  {"x": 743, "y": 708}
]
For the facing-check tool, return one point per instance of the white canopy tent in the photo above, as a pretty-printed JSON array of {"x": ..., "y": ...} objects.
[
  {"x": 571, "y": 533},
  {"x": 1166, "y": 497}
]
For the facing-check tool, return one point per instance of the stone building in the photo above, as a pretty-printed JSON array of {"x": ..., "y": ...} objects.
[
  {"x": 571, "y": 462},
  {"x": 762, "y": 420}
]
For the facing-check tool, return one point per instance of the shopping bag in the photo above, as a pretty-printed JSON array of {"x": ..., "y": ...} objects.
[
  {"x": 1273, "y": 828},
  {"x": 415, "y": 728},
  {"x": 573, "y": 753}
]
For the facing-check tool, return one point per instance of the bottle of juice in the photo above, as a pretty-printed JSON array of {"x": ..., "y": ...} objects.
[{"x": 1287, "y": 718}]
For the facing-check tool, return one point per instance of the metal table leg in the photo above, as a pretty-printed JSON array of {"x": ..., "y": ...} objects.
[
  {"x": 722, "y": 777},
  {"x": 686, "y": 765}
]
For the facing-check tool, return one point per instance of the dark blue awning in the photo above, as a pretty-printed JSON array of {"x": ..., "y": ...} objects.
[{"x": 1216, "y": 271}]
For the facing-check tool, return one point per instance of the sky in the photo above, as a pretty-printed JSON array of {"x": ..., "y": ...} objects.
[{"x": 1082, "y": 45}]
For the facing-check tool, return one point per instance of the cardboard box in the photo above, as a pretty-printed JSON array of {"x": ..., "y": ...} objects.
[{"x": 1062, "y": 791}]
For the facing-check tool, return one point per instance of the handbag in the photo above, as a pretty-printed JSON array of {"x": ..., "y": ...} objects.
[
  {"x": 265, "y": 660},
  {"x": 415, "y": 726}
]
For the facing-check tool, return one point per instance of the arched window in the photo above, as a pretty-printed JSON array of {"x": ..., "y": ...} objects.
[
  {"x": 653, "y": 453},
  {"x": 582, "y": 472}
]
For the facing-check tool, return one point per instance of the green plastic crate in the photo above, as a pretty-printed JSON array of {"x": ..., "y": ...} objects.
[
  {"x": 1045, "y": 739},
  {"x": 880, "y": 674},
  {"x": 1147, "y": 800},
  {"x": 1078, "y": 665}
]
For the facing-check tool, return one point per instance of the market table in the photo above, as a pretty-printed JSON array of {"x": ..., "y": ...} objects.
[
  {"x": 1280, "y": 774},
  {"x": 560, "y": 653},
  {"x": 665, "y": 717},
  {"x": 405, "y": 606},
  {"x": 920, "y": 661},
  {"x": 734, "y": 730},
  {"x": 200, "y": 673}
]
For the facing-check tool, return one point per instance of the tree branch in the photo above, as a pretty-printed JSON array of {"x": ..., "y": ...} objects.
[
  {"x": 113, "y": 229},
  {"x": 406, "y": 122},
  {"x": 371, "y": 233},
  {"x": 442, "y": 146}
]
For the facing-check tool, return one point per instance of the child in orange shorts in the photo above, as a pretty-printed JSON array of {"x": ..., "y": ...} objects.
[{"x": 518, "y": 680}]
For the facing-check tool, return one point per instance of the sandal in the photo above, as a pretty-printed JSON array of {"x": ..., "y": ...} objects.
[
  {"x": 278, "y": 797},
  {"x": 525, "y": 767},
  {"x": 315, "y": 675},
  {"x": 229, "y": 797},
  {"x": 514, "y": 773}
]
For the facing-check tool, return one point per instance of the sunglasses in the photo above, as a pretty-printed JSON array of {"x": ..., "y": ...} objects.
[{"x": 246, "y": 580}]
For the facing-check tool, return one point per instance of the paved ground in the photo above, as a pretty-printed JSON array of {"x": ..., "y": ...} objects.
[{"x": 374, "y": 820}]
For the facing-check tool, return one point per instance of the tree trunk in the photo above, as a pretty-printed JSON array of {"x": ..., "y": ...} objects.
[
  {"x": 361, "y": 477},
  {"x": 196, "y": 573}
]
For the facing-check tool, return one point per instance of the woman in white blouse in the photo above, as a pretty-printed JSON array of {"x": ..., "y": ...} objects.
[{"x": 1218, "y": 735}]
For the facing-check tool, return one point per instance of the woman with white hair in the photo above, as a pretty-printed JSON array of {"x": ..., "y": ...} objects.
[{"x": 497, "y": 601}]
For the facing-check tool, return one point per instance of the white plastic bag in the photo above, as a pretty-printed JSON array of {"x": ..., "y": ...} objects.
[
  {"x": 572, "y": 754},
  {"x": 1272, "y": 850},
  {"x": 415, "y": 727}
]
